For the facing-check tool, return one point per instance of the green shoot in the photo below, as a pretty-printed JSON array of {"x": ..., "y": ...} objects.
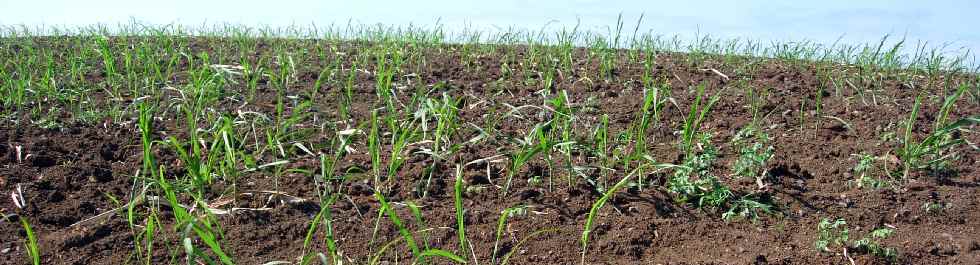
[
  {"x": 458, "y": 202},
  {"x": 501, "y": 222},
  {"x": 406, "y": 235},
  {"x": 441, "y": 253},
  {"x": 517, "y": 246},
  {"x": 31, "y": 244},
  {"x": 602, "y": 201},
  {"x": 528, "y": 150},
  {"x": 694, "y": 118},
  {"x": 374, "y": 148},
  {"x": 936, "y": 148},
  {"x": 323, "y": 216}
]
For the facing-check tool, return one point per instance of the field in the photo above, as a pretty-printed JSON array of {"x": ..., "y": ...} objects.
[{"x": 384, "y": 145}]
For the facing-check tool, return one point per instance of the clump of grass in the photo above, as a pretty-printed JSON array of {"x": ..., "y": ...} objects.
[
  {"x": 417, "y": 252},
  {"x": 204, "y": 228},
  {"x": 564, "y": 118},
  {"x": 186, "y": 224},
  {"x": 401, "y": 135},
  {"x": 600, "y": 140},
  {"x": 145, "y": 238},
  {"x": 145, "y": 124},
  {"x": 447, "y": 115},
  {"x": 374, "y": 148},
  {"x": 149, "y": 174},
  {"x": 385, "y": 71},
  {"x": 653, "y": 102}
]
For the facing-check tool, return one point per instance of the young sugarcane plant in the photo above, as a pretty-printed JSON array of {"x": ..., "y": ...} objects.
[
  {"x": 204, "y": 228},
  {"x": 323, "y": 217},
  {"x": 401, "y": 135},
  {"x": 936, "y": 148},
  {"x": 528, "y": 149},
  {"x": 374, "y": 148},
  {"x": 649, "y": 111},
  {"x": 694, "y": 118},
  {"x": 418, "y": 253},
  {"x": 600, "y": 139},
  {"x": 446, "y": 115},
  {"x": 587, "y": 230},
  {"x": 31, "y": 243},
  {"x": 564, "y": 119},
  {"x": 460, "y": 213},
  {"x": 385, "y": 72}
]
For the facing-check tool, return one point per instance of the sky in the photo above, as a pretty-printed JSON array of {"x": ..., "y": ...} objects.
[{"x": 949, "y": 24}]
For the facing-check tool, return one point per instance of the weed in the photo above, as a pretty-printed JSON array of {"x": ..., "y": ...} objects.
[
  {"x": 831, "y": 234},
  {"x": 866, "y": 173},
  {"x": 934, "y": 207},
  {"x": 754, "y": 152},
  {"x": 748, "y": 207},
  {"x": 871, "y": 244},
  {"x": 693, "y": 182},
  {"x": 836, "y": 233}
]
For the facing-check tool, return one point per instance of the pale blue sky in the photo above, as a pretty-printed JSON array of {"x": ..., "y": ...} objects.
[{"x": 858, "y": 21}]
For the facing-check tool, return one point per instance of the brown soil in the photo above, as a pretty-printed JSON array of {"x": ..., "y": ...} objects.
[{"x": 73, "y": 173}]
